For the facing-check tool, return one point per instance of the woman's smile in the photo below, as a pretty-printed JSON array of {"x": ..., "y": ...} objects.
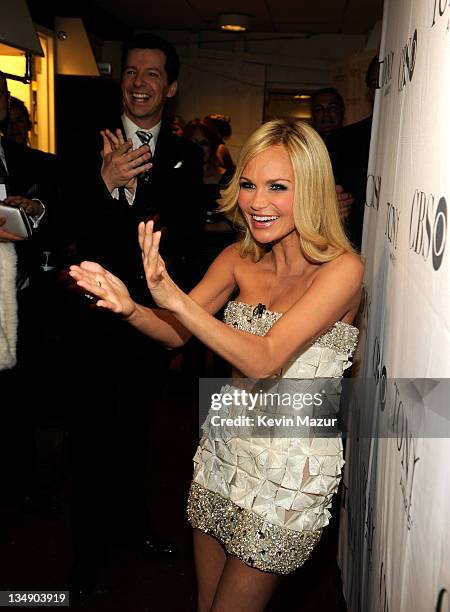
[
  {"x": 263, "y": 221},
  {"x": 266, "y": 194}
]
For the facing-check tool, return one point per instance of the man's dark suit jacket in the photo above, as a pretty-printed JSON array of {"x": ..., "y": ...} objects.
[
  {"x": 32, "y": 174},
  {"x": 349, "y": 153},
  {"x": 107, "y": 227},
  {"x": 109, "y": 453}
]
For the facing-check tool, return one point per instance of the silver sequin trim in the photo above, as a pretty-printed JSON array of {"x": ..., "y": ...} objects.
[
  {"x": 246, "y": 535},
  {"x": 245, "y": 317},
  {"x": 342, "y": 337}
]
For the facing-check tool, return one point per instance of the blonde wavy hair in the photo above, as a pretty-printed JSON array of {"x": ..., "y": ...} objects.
[{"x": 316, "y": 214}]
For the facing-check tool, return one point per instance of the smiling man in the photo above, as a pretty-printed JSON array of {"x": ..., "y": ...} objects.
[
  {"x": 149, "y": 78},
  {"x": 146, "y": 85},
  {"x": 146, "y": 171}
]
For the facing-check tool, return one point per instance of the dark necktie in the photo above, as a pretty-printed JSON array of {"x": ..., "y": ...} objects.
[{"x": 145, "y": 138}]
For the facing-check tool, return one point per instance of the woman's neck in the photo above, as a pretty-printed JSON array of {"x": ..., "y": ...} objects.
[{"x": 287, "y": 256}]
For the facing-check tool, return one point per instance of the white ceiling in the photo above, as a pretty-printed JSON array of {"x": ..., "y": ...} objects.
[{"x": 277, "y": 16}]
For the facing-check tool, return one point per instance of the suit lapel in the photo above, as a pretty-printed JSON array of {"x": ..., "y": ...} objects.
[
  {"x": 165, "y": 152},
  {"x": 21, "y": 173}
]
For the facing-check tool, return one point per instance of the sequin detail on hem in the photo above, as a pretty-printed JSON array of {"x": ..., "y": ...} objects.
[{"x": 246, "y": 535}]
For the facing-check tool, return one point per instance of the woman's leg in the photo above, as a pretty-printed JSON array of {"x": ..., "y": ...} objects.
[
  {"x": 243, "y": 589},
  {"x": 210, "y": 560}
]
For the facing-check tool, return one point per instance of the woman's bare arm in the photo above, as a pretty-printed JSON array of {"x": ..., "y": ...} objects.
[
  {"x": 211, "y": 293},
  {"x": 334, "y": 292}
]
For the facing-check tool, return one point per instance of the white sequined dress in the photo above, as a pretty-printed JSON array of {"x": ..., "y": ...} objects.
[{"x": 266, "y": 499}]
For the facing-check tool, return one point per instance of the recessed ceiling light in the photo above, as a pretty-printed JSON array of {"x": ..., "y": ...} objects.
[{"x": 234, "y": 22}]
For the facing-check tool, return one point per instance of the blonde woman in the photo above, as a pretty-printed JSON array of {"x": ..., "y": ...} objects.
[{"x": 258, "y": 506}]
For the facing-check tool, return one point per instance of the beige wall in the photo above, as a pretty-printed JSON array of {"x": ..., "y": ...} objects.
[
  {"x": 225, "y": 74},
  {"x": 233, "y": 77}
]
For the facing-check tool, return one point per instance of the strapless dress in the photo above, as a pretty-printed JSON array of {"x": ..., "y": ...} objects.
[{"x": 266, "y": 499}]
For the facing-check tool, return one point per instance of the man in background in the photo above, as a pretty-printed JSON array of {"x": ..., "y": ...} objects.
[
  {"x": 22, "y": 318},
  {"x": 18, "y": 124},
  {"x": 349, "y": 153},
  {"x": 327, "y": 111},
  {"x": 145, "y": 171}
]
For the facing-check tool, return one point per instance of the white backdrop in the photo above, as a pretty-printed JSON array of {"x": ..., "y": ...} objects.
[{"x": 395, "y": 519}]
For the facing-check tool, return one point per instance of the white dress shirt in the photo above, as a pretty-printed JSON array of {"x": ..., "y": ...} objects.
[{"x": 130, "y": 132}]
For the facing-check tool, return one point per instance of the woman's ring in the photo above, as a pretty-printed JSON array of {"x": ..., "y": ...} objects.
[{"x": 99, "y": 283}]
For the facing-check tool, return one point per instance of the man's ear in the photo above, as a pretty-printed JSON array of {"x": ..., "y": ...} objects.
[{"x": 172, "y": 89}]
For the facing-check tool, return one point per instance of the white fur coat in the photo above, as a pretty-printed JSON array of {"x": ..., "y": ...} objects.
[{"x": 8, "y": 306}]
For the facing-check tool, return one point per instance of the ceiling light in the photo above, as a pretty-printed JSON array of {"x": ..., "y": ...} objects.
[{"x": 234, "y": 22}]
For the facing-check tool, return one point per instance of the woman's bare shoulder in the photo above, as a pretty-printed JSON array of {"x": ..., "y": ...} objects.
[
  {"x": 226, "y": 262},
  {"x": 232, "y": 250},
  {"x": 346, "y": 264},
  {"x": 229, "y": 256},
  {"x": 333, "y": 295},
  {"x": 219, "y": 282},
  {"x": 343, "y": 274}
]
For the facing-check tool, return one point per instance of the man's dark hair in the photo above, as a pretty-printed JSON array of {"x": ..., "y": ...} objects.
[
  {"x": 151, "y": 41},
  {"x": 15, "y": 103},
  {"x": 329, "y": 90}
]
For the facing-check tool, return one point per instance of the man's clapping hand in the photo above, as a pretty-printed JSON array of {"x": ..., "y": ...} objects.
[
  {"x": 33, "y": 208},
  {"x": 121, "y": 165}
]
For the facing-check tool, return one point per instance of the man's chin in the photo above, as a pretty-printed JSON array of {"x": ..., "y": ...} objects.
[{"x": 141, "y": 113}]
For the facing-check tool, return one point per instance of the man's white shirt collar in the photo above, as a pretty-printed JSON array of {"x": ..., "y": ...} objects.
[{"x": 131, "y": 129}]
